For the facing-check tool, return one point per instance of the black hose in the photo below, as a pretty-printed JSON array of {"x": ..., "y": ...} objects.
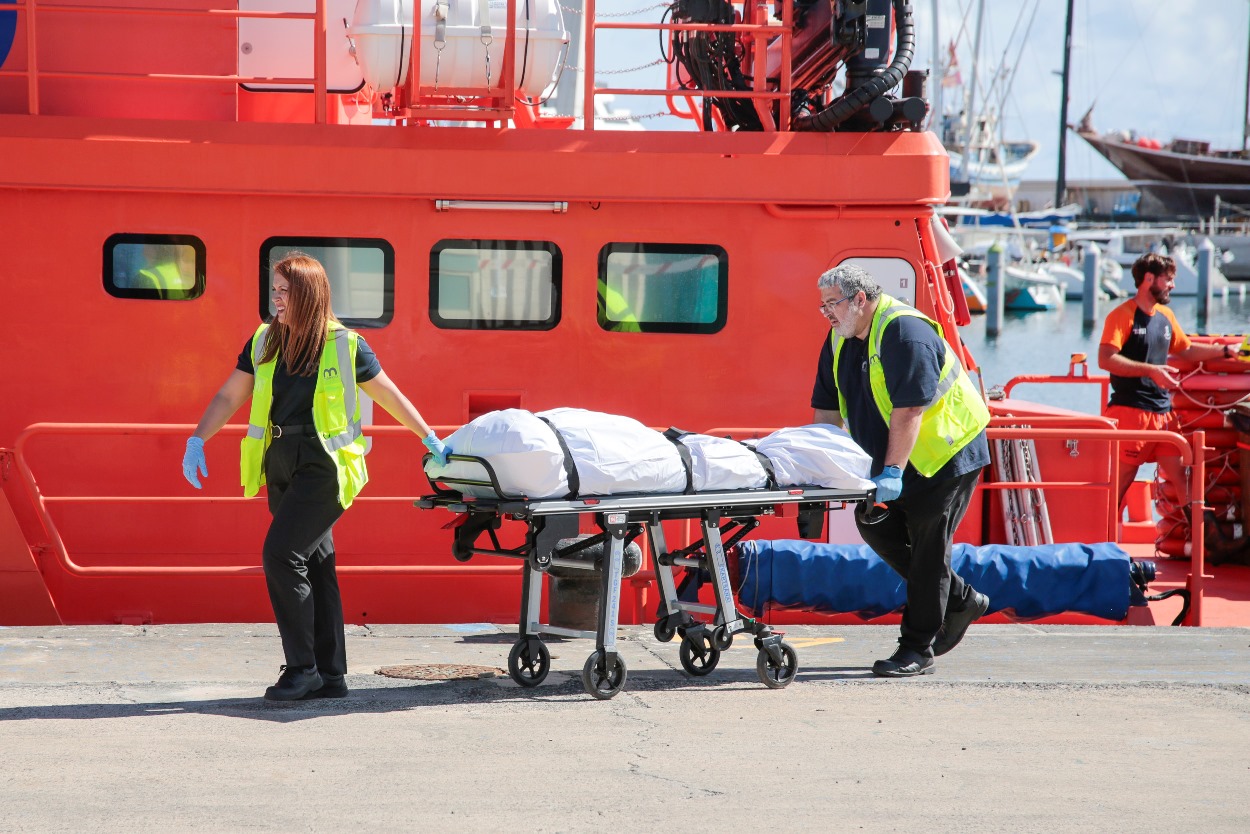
[
  {"x": 1184, "y": 595},
  {"x": 852, "y": 101}
]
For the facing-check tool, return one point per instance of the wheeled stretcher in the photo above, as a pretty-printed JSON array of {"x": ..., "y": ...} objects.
[{"x": 725, "y": 519}]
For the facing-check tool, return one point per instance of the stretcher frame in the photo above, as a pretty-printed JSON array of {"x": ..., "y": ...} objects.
[{"x": 725, "y": 518}]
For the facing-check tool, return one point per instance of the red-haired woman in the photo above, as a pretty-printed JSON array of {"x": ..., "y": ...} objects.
[{"x": 304, "y": 440}]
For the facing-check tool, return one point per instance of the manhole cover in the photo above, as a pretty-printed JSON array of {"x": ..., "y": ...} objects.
[{"x": 440, "y": 672}]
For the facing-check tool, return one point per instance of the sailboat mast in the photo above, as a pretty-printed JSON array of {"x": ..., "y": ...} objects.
[
  {"x": 1245, "y": 117},
  {"x": 938, "y": 79},
  {"x": 970, "y": 103},
  {"x": 1061, "y": 177}
]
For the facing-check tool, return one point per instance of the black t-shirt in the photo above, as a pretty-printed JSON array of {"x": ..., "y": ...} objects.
[
  {"x": 293, "y": 395},
  {"x": 911, "y": 357},
  {"x": 1142, "y": 337}
]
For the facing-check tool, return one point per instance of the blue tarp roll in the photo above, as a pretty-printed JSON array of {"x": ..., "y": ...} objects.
[{"x": 1027, "y": 581}]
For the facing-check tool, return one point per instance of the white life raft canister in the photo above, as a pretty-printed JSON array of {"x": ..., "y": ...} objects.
[{"x": 382, "y": 33}]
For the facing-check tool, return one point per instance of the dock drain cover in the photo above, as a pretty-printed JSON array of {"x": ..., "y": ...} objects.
[{"x": 440, "y": 672}]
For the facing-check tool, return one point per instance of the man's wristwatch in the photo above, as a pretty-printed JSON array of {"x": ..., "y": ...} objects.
[{"x": 1228, "y": 351}]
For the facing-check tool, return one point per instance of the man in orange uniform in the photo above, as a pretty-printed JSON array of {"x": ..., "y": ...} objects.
[{"x": 1137, "y": 339}]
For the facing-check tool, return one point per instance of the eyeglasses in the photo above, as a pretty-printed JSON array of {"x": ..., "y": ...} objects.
[{"x": 830, "y": 306}]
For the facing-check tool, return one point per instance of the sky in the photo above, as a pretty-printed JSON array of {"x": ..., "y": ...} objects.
[{"x": 1164, "y": 69}]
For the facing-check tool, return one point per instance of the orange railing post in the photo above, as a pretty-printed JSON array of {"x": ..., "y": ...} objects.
[
  {"x": 1197, "y": 531},
  {"x": 588, "y": 77},
  {"x": 319, "y": 63},
  {"x": 32, "y": 61}
]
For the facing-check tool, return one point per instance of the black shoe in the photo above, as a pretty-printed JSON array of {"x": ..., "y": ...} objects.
[
  {"x": 332, "y": 686},
  {"x": 904, "y": 663},
  {"x": 957, "y": 622},
  {"x": 294, "y": 684}
]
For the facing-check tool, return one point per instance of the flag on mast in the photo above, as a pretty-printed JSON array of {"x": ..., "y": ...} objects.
[{"x": 951, "y": 76}]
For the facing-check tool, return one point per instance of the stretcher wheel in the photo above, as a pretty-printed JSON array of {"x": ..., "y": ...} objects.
[
  {"x": 663, "y": 631},
  {"x": 529, "y": 661},
  {"x": 776, "y": 676},
  {"x": 600, "y": 682},
  {"x": 722, "y": 639},
  {"x": 701, "y": 659}
]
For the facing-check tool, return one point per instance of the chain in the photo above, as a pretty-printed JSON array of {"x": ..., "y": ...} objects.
[
  {"x": 630, "y": 118},
  {"x": 572, "y": 10},
  {"x": 656, "y": 62}
]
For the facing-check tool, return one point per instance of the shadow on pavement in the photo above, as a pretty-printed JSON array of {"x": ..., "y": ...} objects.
[{"x": 561, "y": 686}]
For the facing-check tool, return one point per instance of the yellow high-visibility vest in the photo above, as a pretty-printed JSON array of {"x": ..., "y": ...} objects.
[
  {"x": 618, "y": 314},
  {"x": 334, "y": 398},
  {"x": 957, "y": 413},
  {"x": 163, "y": 277}
]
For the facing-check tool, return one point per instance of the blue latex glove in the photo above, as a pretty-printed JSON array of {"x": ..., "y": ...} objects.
[
  {"x": 193, "y": 461},
  {"x": 889, "y": 484},
  {"x": 437, "y": 449}
]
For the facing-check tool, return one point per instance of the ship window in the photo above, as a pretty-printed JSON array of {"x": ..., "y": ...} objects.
[
  {"x": 495, "y": 284},
  {"x": 361, "y": 273},
  {"x": 663, "y": 288},
  {"x": 160, "y": 267}
]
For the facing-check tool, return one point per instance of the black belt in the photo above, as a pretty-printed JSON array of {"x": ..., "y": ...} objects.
[{"x": 292, "y": 431}]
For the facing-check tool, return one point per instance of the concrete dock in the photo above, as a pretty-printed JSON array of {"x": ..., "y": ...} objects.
[{"x": 1022, "y": 728}]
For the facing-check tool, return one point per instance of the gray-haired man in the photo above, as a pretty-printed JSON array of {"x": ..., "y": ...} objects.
[{"x": 889, "y": 377}]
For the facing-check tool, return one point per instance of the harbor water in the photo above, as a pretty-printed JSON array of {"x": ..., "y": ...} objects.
[{"x": 1042, "y": 342}]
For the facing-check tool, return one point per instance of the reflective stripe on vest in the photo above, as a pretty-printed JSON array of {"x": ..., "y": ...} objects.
[
  {"x": 954, "y": 416},
  {"x": 336, "y": 418},
  {"x": 163, "y": 277}
]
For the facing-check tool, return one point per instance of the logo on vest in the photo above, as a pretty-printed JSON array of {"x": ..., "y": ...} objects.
[{"x": 330, "y": 373}]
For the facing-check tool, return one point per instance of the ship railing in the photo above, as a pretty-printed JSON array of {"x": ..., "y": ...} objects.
[
  {"x": 1188, "y": 450},
  {"x": 32, "y": 9},
  {"x": 1078, "y": 374},
  {"x": 493, "y": 103},
  {"x": 755, "y": 17},
  {"x": 1098, "y": 430},
  {"x": 498, "y": 104},
  {"x": 55, "y": 544}
]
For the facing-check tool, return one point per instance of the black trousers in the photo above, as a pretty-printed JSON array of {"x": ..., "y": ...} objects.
[
  {"x": 299, "y": 554},
  {"x": 915, "y": 540}
]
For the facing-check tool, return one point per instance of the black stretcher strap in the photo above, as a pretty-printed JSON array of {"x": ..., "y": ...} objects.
[
  {"x": 771, "y": 483},
  {"x": 675, "y": 435},
  {"x": 570, "y": 465}
]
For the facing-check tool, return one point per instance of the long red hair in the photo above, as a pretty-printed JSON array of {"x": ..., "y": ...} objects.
[{"x": 300, "y": 339}]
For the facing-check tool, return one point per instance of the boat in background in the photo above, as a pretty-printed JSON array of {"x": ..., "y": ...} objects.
[
  {"x": 1032, "y": 287},
  {"x": 1182, "y": 178},
  {"x": 985, "y": 168},
  {"x": 1109, "y": 279},
  {"x": 1035, "y": 219},
  {"x": 1125, "y": 246},
  {"x": 974, "y": 293}
]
